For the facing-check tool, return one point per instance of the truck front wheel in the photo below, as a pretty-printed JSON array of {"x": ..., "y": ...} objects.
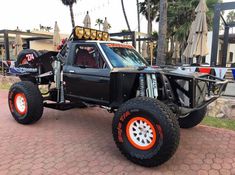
[
  {"x": 193, "y": 119},
  {"x": 146, "y": 132},
  {"x": 25, "y": 102}
]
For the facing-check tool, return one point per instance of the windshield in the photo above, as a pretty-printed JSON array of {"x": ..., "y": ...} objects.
[{"x": 122, "y": 55}]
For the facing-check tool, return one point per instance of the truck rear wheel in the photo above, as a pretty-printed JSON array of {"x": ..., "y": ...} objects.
[
  {"x": 146, "y": 132},
  {"x": 192, "y": 119},
  {"x": 25, "y": 102}
]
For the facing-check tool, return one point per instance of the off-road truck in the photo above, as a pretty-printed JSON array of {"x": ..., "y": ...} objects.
[{"x": 149, "y": 104}]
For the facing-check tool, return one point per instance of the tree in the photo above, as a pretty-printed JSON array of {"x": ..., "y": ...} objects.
[
  {"x": 161, "y": 51},
  {"x": 181, "y": 13},
  {"x": 99, "y": 22},
  {"x": 70, "y": 3},
  {"x": 124, "y": 13},
  {"x": 154, "y": 11},
  {"x": 231, "y": 17}
]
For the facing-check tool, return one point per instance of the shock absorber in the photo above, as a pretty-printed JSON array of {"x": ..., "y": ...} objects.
[{"x": 142, "y": 85}]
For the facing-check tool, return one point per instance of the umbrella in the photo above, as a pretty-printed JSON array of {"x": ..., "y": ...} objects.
[
  {"x": 105, "y": 25},
  {"x": 198, "y": 45},
  {"x": 56, "y": 37},
  {"x": 176, "y": 53},
  {"x": 188, "y": 50},
  {"x": 18, "y": 43},
  {"x": 87, "y": 21},
  {"x": 144, "y": 49}
]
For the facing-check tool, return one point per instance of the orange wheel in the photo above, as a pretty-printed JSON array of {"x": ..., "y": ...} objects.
[
  {"x": 141, "y": 133},
  {"x": 20, "y": 103}
]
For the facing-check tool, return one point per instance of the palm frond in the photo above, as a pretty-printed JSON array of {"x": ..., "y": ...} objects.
[{"x": 69, "y": 2}]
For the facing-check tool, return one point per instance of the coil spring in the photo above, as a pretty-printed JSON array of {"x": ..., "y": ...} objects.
[{"x": 142, "y": 85}]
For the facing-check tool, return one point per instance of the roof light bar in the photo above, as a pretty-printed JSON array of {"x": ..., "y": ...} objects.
[{"x": 90, "y": 34}]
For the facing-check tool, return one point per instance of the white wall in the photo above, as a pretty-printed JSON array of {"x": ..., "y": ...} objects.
[{"x": 231, "y": 48}]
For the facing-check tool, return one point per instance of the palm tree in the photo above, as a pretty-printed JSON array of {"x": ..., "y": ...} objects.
[
  {"x": 124, "y": 13},
  {"x": 231, "y": 17},
  {"x": 154, "y": 11},
  {"x": 70, "y": 3},
  {"x": 161, "y": 51},
  {"x": 99, "y": 22}
]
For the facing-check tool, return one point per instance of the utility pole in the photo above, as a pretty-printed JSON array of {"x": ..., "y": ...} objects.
[{"x": 138, "y": 19}]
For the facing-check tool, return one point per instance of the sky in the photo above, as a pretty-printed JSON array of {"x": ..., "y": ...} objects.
[{"x": 28, "y": 14}]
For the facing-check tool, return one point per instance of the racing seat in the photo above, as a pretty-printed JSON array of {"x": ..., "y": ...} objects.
[{"x": 85, "y": 59}]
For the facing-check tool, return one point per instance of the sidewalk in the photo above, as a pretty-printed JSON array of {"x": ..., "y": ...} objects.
[
  {"x": 80, "y": 142},
  {"x": 230, "y": 90}
]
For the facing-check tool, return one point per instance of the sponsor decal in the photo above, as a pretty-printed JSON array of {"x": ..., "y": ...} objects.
[
  {"x": 124, "y": 116},
  {"x": 29, "y": 57},
  {"x": 119, "y": 128},
  {"x": 120, "y": 46},
  {"x": 160, "y": 131},
  {"x": 22, "y": 70},
  {"x": 120, "y": 139}
]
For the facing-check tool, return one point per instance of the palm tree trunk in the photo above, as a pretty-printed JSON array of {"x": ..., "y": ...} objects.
[
  {"x": 161, "y": 55},
  {"x": 124, "y": 13},
  {"x": 72, "y": 15},
  {"x": 149, "y": 17}
]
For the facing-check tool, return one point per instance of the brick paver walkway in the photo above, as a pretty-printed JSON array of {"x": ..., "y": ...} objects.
[{"x": 80, "y": 142}]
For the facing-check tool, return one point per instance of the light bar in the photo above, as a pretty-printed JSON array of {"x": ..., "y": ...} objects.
[
  {"x": 79, "y": 32},
  {"x": 90, "y": 34}
]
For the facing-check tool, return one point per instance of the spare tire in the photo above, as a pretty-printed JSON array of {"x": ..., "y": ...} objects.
[{"x": 27, "y": 56}]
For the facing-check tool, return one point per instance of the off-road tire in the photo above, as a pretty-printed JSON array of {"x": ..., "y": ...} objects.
[
  {"x": 193, "y": 119},
  {"x": 159, "y": 119},
  {"x": 25, "y": 102},
  {"x": 22, "y": 56}
]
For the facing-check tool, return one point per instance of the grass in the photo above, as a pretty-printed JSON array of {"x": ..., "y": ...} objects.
[
  {"x": 5, "y": 86},
  {"x": 219, "y": 123}
]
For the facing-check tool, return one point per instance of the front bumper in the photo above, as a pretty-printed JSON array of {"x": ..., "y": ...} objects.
[{"x": 195, "y": 91}]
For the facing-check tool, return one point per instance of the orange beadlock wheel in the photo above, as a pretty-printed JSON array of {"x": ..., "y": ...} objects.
[
  {"x": 141, "y": 133},
  {"x": 20, "y": 103}
]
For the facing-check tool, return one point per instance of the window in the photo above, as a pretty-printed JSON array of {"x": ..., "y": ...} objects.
[
  {"x": 88, "y": 56},
  {"x": 122, "y": 55},
  {"x": 230, "y": 57}
]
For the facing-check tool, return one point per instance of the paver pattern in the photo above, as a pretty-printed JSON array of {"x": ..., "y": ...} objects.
[{"x": 80, "y": 142}]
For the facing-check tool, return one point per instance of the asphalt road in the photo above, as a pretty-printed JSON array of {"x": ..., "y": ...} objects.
[{"x": 80, "y": 142}]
